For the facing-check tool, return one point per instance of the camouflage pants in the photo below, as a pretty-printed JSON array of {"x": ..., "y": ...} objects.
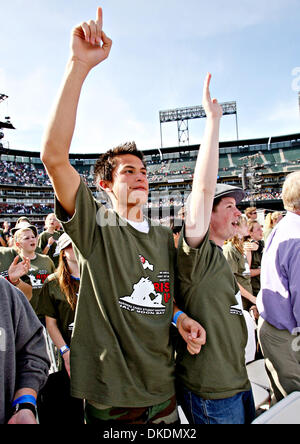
[{"x": 164, "y": 413}]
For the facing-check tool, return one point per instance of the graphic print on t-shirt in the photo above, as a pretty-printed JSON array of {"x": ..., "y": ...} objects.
[
  {"x": 237, "y": 309},
  {"x": 38, "y": 280},
  {"x": 145, "y": 263},
  {"x": 144, "y": 299},
  {"x": 147, "y": 297}
]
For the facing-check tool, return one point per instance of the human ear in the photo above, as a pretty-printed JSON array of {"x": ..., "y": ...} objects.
[{"x": 105, "y": 185}]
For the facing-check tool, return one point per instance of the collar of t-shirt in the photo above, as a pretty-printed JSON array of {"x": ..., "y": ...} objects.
[{"x": 143, "y": 227}]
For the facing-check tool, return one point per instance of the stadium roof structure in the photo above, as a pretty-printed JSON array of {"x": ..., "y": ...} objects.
[
  {"x": 241, "y": 145},
  {"x": 183, "y": 115}
]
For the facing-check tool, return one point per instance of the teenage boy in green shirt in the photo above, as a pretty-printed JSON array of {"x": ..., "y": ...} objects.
[
  {"x": 121, "y": 355},
  {"x": 214, "y": 384}
]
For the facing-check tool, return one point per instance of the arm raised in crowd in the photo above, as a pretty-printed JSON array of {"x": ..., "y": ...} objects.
[
  {"x": 206, "y": 172},
  {"x": 89, "y": 47}
]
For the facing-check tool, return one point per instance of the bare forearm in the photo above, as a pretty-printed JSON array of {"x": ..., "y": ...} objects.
[
  {"x": 54, "y": 332},
  {"x": 59, "y": 133},
  {"x": 204, "y": 184},
  {"x": 255, "y": 272},
  {"x": 26, "y": 289},
  {"x": 247, "y": 295},
  {"x": 206, "y": 171}
]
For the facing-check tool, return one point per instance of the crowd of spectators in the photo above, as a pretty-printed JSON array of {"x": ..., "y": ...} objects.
[
  {"x": 163, "y": 171},
  {"x": 15, "y": 173},
  {"x": 20, "y": 208},
  {"x": 274, "y": 195}
]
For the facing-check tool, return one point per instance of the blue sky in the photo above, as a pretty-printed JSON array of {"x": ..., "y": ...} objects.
[{"x": 161, "y": 52}]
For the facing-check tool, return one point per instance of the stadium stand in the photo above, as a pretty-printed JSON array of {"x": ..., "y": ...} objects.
[{"x": 25, "y": 188}]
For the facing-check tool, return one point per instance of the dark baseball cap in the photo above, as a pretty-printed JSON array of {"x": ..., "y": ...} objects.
[{"x": 224, "y": 190}]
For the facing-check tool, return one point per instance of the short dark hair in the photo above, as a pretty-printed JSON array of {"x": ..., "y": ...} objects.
[
  {"x": 216, "y": 202},
  {"x": 106, "y": 162}
]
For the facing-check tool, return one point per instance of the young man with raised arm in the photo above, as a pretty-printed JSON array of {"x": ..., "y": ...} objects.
[
  {"x": 214, "y": 386},
  {"x": 121, "y": 355}
]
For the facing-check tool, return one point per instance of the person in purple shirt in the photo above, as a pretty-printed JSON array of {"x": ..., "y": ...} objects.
[{"x": 278, "y": 301}]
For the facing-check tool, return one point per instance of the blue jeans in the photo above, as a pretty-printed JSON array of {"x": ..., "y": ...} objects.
[{"x": 238, "y": 409}]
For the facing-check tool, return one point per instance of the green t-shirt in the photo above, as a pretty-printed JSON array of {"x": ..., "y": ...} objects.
[
  {"x": 210, "y": 295},
  {"x": 53, "y": 303},
  {"x": 121, "y": 353},
  {"x": 40, "y": 268},
  {"x": 240, "y": 268},
  {"x": 43, "y": 241}
]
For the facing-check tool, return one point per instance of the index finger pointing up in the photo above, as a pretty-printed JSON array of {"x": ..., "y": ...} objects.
[
  {"x": 99, "y": 19},
  {"x": 206, "y": 93},
  {"x": 99, "y": 23}
]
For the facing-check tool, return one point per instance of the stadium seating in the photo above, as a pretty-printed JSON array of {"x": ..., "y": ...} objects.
[{"x": 21, "y": 171}]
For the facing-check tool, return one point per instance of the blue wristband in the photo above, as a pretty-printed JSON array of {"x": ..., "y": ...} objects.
[
  {"x": 176, "y": 316},
  {"x": 24, "y": 398},
  {"x": 64, "y": 349}
]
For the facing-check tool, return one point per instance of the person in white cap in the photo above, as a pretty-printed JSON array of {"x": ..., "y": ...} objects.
[{"x": 213, "y": 385}]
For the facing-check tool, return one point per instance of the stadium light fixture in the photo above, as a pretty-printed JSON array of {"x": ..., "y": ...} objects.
[
  {"x": 7, "y": 124},
  {"x": 183, "y": 115},
  {"x": 3, "y": 97}
]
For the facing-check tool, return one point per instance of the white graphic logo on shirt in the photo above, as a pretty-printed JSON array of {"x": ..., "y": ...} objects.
[
  {"x": 145, "y": 263},
  {"x": 237, "y": 309},
  {"x": 144, "y": 299},
  {"x": 35, "y": 283}
]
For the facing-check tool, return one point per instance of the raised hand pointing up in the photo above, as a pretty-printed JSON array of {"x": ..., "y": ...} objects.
[
  {"x": 212, "y": 108},
  {"x": 89, "y": 43}
]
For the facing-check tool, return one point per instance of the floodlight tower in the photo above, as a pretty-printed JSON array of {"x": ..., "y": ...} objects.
[
  {"x": 6, "y": 124},
  {"x": 183, "y": 115}
]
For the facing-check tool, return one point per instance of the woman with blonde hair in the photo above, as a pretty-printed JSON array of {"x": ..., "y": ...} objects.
[
  {"x": 236, "y": 255},
  {"x": 270, "y": 221},
  {"x": 58, "y": 303},
  {"x": 25, "y": 243}
]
